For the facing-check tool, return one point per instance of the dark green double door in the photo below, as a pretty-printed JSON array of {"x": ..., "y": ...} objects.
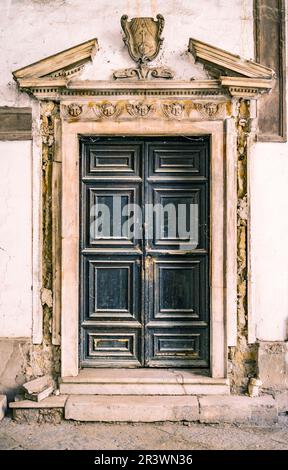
[{"x": 144, "y": 252}]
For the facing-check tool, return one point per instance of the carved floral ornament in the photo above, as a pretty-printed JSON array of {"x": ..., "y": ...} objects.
[{"x": 177, "y": 110}]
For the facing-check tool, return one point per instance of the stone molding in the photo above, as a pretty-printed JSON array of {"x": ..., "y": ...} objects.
[
  {"x": 219, "y": 62},
  {"x": 58, "y": 68}
]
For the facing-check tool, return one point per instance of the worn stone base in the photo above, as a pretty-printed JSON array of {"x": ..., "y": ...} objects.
[
  {"x": 49, "y": 410},
  {"x": 281, "y": 399},
  {"x": 273, "y": 364},
  {"x": 38, "y": 415},
  {"x": 3, "y": 406},
  {"x": 262, "y": 411},
  {"x": 13, "y": 354}
]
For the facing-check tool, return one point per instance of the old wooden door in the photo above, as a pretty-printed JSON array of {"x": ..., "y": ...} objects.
[{"x": 144, "y": 273}]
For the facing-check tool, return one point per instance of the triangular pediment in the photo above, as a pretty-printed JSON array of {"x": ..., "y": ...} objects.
[
  {"x": 219, "y": 62},
  {"x": 60, "y": 66}
]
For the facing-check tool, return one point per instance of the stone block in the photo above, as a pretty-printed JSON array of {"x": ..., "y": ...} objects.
[
  {"x": 273, "y": 364},
  {"x": 281, "y": 399},
  {"x": 132, "y": 408},
  {"x": 14, "y": 353},
  {"x": 238, "y": 409}
]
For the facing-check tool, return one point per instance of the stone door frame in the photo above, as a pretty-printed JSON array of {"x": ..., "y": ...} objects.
[
  {"x": 223, "y": 275},
  {"x": 223, "y": 107}
]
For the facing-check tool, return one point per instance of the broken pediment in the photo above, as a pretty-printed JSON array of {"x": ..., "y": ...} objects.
[
  {"x": 219, "y": 62},
  {"x": 55, "y": 76},
  {"x": 57, "y": 69}
]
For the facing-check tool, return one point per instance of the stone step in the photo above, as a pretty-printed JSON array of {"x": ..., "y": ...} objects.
[
  {"x": 205, "y": 409},
  {"x": 142, "y": 382},
  {"x": 131, "y": 408},
  {"x": 49, "y": 402}
]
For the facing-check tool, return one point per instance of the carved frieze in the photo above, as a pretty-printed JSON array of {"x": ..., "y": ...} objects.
[{"x": 156, "y": 109}]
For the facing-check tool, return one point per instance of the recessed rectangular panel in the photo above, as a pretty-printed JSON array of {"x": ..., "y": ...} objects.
[
  {"x": 112, "y": 345},
  {"x": 177, "y": 345},
  {"x": 113, "y": 291},
  {"x": 103, "y": 347},
  {"x": 186, "y": 346},
  {"x": 110, "y": 216},
  {"x": 179, "y": 217},
  {"x": 113, "y": 159},
  {"x": 184, "y": 159},
  {"x": 177, "y": 290}
]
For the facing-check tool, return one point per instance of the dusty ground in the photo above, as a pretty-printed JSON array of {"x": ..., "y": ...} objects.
[{"x": 98, "y": 436}]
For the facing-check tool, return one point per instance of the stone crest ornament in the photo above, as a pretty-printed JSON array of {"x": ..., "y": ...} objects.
[
  {"x": 74, "y": 109},
  {"x": 139, "y": 109},
  {"x": 173, "y": 110},
  {"x": 142, "y": 37}
]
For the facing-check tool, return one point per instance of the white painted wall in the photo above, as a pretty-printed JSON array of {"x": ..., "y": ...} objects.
[
  {"x": 33, "y": 29},
  {"x": 15, "y": 239},
  {"x": 269, "y": 237}
]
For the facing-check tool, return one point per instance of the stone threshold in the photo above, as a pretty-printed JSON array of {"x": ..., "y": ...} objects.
[
  {"x": 143, "y": 382},
  {"x": 231, "y": 409}
]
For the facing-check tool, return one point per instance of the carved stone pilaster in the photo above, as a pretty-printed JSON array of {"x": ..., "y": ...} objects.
[
  {"x": 244, "y": 355},
  {"x": 51, "y": 238},
  {"x": 49, "y": 110}
]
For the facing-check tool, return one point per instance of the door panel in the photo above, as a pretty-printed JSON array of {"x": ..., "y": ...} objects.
[
  {"x": 177, "y": 289},
  {"x": 103, "y": 205},
  {"x": 185, "y": 202},
  {"x": 112, "y": 159},
  {"x": 121, "y": 346},
  {"x": 112, "y": 289},
  {"x": 144, "y": 295}
]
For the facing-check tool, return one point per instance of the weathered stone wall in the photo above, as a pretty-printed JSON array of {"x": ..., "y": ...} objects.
[{"x": 242, "y": 358}]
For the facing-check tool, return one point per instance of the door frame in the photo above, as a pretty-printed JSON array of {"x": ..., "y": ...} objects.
[{"x": 223, "y": 216}]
